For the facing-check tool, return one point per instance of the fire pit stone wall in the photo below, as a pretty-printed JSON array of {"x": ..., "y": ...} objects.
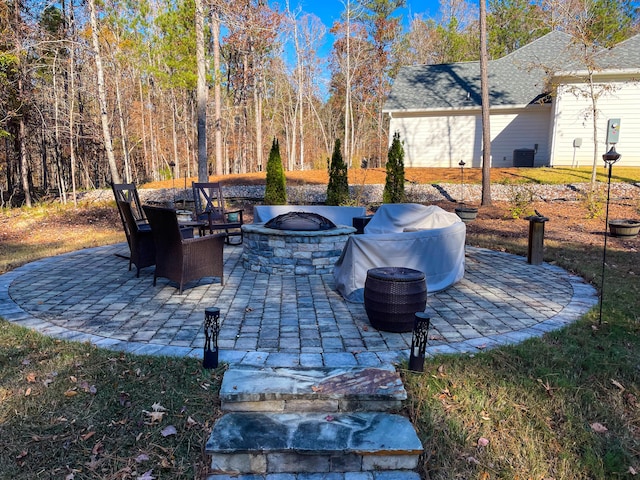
[{"x": 284, "y": 252}]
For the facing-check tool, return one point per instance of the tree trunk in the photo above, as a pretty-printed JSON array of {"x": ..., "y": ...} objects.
[
  {"x": 217, "y": 94},
  {"x": 201, "y": 96},
  {"x": 123, "y": 133},
  {"x": 486, "y": 130},
  {"x": 22, "y": 131},
  {"x": 102, "y": 95}
]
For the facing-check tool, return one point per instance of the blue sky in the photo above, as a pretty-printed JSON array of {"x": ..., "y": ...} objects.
[{"x": 330, "y": 10}]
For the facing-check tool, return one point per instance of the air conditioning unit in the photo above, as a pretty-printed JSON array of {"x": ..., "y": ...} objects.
[{"x": 523, "y": 157}]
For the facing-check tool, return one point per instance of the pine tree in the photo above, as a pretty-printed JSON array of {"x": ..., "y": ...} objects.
[
  {"x": 394, "y": 183},
  {"x": 275, "y": 192},
  {"x": 338, "y": 187}
]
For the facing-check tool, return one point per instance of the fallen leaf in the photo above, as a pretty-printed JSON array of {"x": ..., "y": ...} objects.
[
  {"x": 483, "y": 442},
  {"x": 143, "y": 457},
  {"x": 191, "y": 422},
  {"x": 158, "y": 408},
  {"x": 87, "y": 436},
  {"x": 329, "y": 418},
  {"x": 31, "y": 377},
  {"x": 70, "y": 393},
  {"x": 599, "y": 428},
  {"x": 169, "y": 430},
  {"x": 315, "y": 388},
  {"x": 93, "y": 463},
  {"x": 47, "y": 381},
  {"x": 154, "y": 416},
  {"x": 71, "y": 476},
  {"x": 97, "y": 448},
  {"x": 147, "y": 475},
  {"x": 618, "y": 384},
  {"x": 632, "y": 471},
  {"x": 26, "y": 361},
  {"x": 27, "y": 392},
  {"x": 473, "y": 460},
  {"x": 22, "y": 454},
  {"x": 73, "y": 379}
]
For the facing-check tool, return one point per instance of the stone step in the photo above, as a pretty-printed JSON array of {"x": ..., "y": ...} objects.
[
  {"x": 297, "y": 389},
  {"x": 261, "y": 443},
  {"x": 378, "y": 475}
]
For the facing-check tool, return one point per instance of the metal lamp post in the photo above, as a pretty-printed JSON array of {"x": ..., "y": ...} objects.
[
  {"x": 609, "y": 158},
  {"x": 419, "y": 342},
  {"x": 211, "y": 331}
]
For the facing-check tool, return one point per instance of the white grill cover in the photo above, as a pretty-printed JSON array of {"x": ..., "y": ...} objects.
[{"x": 425, "y": 238}]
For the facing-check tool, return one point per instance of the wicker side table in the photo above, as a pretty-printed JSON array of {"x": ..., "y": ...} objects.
[{"x": 392, "y": 296}]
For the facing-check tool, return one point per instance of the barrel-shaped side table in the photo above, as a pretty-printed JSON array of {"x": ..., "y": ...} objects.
[{"x": 392, "y": 296}]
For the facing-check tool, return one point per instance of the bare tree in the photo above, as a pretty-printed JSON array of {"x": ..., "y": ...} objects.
[
  {"x": 201, "y": 61},
  {"x": 217, "y": 94},
  {"x": 484, "y": 94},
  {"x": 102, "y": 94}
]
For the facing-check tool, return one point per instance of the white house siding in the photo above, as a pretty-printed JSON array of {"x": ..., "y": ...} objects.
[
  {"x": 442, "y": 139},
  {"x": 573, "y": 120}
]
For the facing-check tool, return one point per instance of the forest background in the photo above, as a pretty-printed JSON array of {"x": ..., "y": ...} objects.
[{"x": 100, "y": 90}]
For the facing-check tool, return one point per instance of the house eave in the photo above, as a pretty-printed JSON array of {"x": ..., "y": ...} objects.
[
  {"x": 607, "y": 72},
  {"x": 415, "y": 112}
]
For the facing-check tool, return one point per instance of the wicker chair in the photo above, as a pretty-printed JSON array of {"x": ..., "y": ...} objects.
[
  {"x": 139, "y": 238},
  {"x": 183, "y": 260},
  {"x": 210, "y": 207},
  {"x": 127, "y": 192}
]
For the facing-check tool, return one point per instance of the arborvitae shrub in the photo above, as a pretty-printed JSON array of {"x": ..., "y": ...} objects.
[
  {"x": 394, "y": 183},
  {"x": 338, "y": 187},
  {"x": 275, "y": 192}
]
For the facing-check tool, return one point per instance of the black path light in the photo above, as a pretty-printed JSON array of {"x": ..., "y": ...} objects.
[
  {"x": 419, "y": 342},
  {"x": 462, "y": 164},
  {"x": 173, "y": 181},
  {"x": 211, "y": 331},
  {"x": 609, "y": 158}
]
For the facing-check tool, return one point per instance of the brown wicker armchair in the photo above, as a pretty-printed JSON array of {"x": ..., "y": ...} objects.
[
  {"x": 210, "y": 207},
  {"x": 127, "y": 192},
  {"x": 183, "y": 260},
  {"x": 139, "y": 238}
]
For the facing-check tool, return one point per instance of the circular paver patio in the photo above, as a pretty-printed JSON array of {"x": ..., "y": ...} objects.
[{"x": 282, "y": 320}]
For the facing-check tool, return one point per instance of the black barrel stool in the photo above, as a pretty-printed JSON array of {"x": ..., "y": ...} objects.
[{"x": 392, "y": 296}]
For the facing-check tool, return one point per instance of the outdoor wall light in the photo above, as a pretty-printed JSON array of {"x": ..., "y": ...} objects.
[
  {"x": 419, "y": 342},
  {"x": 211, "y": 330},
  {"x": 609, "y": 158}
]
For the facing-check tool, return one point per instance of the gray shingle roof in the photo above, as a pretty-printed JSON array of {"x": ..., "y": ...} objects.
[
  {"x": 624, "y": 55},
  {"x": 519, "y": 78}
]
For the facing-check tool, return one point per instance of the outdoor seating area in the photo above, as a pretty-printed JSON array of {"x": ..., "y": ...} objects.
[{"x": 282, "y": 320}]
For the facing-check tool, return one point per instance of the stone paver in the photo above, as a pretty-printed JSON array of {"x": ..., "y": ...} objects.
[{"x": 282, "y": 320}]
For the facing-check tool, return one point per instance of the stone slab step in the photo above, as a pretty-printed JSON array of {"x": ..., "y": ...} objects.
[
  {"x": 260, "y": 443},
  {"x": 379, "y": 475},
  {"x": 300, "y": 389}
]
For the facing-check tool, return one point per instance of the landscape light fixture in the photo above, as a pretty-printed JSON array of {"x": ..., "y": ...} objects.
[
  {"x": 173, "y": 182},
  {"x": 211, "y": 331},
  {"x": 419, "y": 342},
  {"x": 609, "y": 158},
  {"x": 462, "y": 164}
]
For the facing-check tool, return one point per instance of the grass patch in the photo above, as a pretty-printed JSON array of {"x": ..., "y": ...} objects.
[
  {"x": 540, "y": 405},
  {"x": 69, "y": 410},
  {"x": 28, "y": 234}
]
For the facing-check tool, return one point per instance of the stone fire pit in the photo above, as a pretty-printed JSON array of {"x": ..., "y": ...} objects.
[{"x": 298, "y": 252}]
